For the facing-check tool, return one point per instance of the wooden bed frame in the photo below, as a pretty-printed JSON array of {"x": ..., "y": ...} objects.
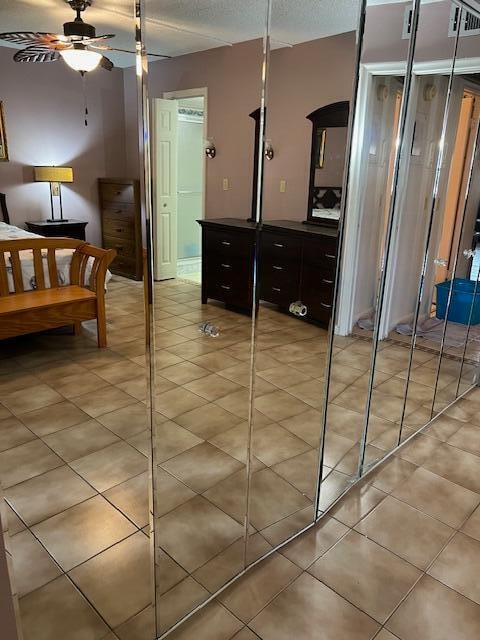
[{"x": 23, "y": 312}]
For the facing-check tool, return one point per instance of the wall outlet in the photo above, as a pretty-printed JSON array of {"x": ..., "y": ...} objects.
[
  {"x": 283, "y": 186},
  {"x": 225, "y": 184}
]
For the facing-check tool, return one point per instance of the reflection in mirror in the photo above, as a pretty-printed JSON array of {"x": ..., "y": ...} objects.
[
  {"x": 297, "y": 262},
  {"x": 75, "y": 473},
  {"x": 377, "y": 124},
  {"x": 203, "y": 182}
]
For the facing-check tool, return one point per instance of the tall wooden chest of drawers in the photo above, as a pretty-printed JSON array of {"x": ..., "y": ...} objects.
[{"x": 121, "y": 224}]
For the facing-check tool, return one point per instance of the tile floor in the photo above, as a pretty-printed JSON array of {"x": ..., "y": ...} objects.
[{"x": 73, "y": 462}]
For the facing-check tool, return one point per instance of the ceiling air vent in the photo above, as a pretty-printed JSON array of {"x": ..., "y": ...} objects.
[
  {"x": 468, "y": 24},
  {"x": 407, "y": 23}
]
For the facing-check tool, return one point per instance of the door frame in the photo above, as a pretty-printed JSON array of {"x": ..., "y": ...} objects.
[
  {"x": 196, "y": 93},
  {"x": 354, "y": 208}
]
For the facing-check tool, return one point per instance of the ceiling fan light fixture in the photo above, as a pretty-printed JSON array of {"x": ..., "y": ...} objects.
[{"x": 81, "y": 60}]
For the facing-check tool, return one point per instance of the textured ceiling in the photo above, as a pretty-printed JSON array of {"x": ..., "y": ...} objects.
[{"x": 176, "y": 27}]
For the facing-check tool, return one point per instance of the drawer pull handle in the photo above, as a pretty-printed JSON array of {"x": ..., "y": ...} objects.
[
  {"x": 326, "y": 306},
  {"x": 225, "y": 243},
  {"x": 118, "y": 211},
  {"x": 226, "y": 266},
  {"x": 278, "y": 244},
  {"x": 277, "y": 268},
  {"x": 224, "y": 286},
  {"x": 276, "y": 289},
  {"x": 330, "y": 255},
  {"x": 119, "y": 230},
  {"x": 327, "y": 281}
]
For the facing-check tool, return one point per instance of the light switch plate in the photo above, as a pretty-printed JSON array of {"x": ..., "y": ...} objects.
[
  {"x": 225, "y": 184},
  {"x": 283, "y": 186}
]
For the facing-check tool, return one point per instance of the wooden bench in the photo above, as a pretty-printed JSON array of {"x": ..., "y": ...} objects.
[{"x": 48, "y": 307}]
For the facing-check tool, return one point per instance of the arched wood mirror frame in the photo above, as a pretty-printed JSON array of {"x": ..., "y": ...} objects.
[{"x": 332, "y": 115}]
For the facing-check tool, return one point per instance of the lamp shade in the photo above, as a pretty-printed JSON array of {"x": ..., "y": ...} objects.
[{"x": 53, "y": 174}]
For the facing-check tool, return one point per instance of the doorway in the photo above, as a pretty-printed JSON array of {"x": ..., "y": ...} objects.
[{"x": 180, "y": 125}]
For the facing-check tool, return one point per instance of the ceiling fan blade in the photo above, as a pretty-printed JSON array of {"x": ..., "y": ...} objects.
[
  {"x": 107, "y": 64},
  {"x": 107, "y": 36},
  {"x": 36, "y": 54},
  {"x": 28, "y": 37},
  {"x": 106, "y": 47}
]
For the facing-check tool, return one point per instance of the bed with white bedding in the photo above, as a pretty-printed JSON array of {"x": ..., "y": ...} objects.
[{"x": 63, "y": 259}]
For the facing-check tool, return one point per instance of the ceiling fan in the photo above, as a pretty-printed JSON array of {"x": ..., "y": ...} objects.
[{"x": 79, "y": 45}]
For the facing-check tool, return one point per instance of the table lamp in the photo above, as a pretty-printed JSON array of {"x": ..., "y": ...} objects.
[{"x": 55, "y": 176}]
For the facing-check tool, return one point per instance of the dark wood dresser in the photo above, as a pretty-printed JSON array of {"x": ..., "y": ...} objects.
[
  {"x": 228, "y": 251},
  {"x": 297, "y": 262},
  {"x": 121, "y": 224}
]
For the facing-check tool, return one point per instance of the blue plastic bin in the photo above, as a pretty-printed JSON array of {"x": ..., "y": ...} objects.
[{"x": 461, "y": 302}]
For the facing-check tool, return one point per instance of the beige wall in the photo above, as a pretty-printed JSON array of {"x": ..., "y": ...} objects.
[
  {"x": 302, "y": 78},
  {"x": 45, "y": 125}
]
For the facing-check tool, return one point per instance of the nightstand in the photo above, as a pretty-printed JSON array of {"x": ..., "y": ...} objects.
[{"x": 59, "y": 229}]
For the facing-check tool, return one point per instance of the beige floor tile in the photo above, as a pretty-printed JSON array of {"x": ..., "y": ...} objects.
[
  {"x": 168, "y": 572},
  {"x": 78, "y": 441},
  {"x": 336, "y": 448},
  {"x": 126, "y": 422},
  {"x": 435, "y": 612},
  {"x": 170, "y": 492},
  {"x": 216, "y": 361},
  {"x": 26, "y": 461},
  {"x": 215, "y": 573},
  {"x": 472, "y": 525},
  {"x": 457, "y": 566},
  {"x": 37, "y": 396},
  {"x": 212, "y": 387},
  {"x": 77, "y": 534},
  {"x": 419, "y": 449},
  {"x": 368, "y": 576},
  {"x": 118, "y": 372},
  {"x": 72, "y": 385},
  {"x": 136, "y": 388},
  {"x": 258, "y": 587},
  {"x": 245, "y": 634},
  {"x": 184, "y": 372},
  {"x": 301, "y": 472},
  {"x": 391, "y": 474},
  {"x": 279, "y": 405},
  {"x": 306, "y": 425},
  {"x": 172, "y": 439},
  {"x": 208, "y": 421},
  {"x": 308, "y": 547},
  {"x": 272, "y": 498},
  {"x": 308, "y": 606},
  {"x": 284, "y": 377},
  {"x": 357, "y": 504},
  {"x": 332, "y": 487},
  {"x": 457, "y": 466},
  {"x": 13, "y": 522},
  {"x": 32, "y": 566},
  {"x": 55, "y": 609},
  {"x": 467, "y": 438},
  {"x": 13, "y": 433},
  {"x": 177, "y": 401},
  {"x": 202, "y": 467},
  {"x": 178, "y": 602},
  {"x": 117, "y": 581},
  {"x": 103, "y": 401},
  {"x": 405, "y": 531},
  {"x": 234, "y": 441},
  {"x": 44, "y": 421},
  {"x": 437, "y": 497},
  {"x": 385, "y": 635},
  {"x": 140, "y": 627},
  {"x": 214, "y": 622},
  {"x": 273, "y": 444},
  {"x": 110, "y": 466},
  {"x": 16, "y": 382},
  {"x": 48, "y": 494},
  {"x": 132, "y": 499},
  {"x": 195, "y": 532}
]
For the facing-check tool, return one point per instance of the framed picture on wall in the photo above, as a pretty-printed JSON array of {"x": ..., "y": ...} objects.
[{"x": 3, "y": 136}]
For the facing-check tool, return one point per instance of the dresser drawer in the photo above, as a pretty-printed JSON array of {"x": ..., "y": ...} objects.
[
  {"x": 117, "y": 228},
  {"x": 280, "y": 248},
  {"x": 237, "y": 294},
  {"x": 123, "y": 246},
  {"x": 124, "y": 266},
  {"x": 114, "y": 193},
  {"x": 321, "y": 252},
  {"x": 118, "y": 212},
  {"x": 226, "y": 244},
  {"x": 281, "y": 293}
]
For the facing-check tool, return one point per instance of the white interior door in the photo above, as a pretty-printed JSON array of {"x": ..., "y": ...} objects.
[{"x": 165, "y": 187}]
